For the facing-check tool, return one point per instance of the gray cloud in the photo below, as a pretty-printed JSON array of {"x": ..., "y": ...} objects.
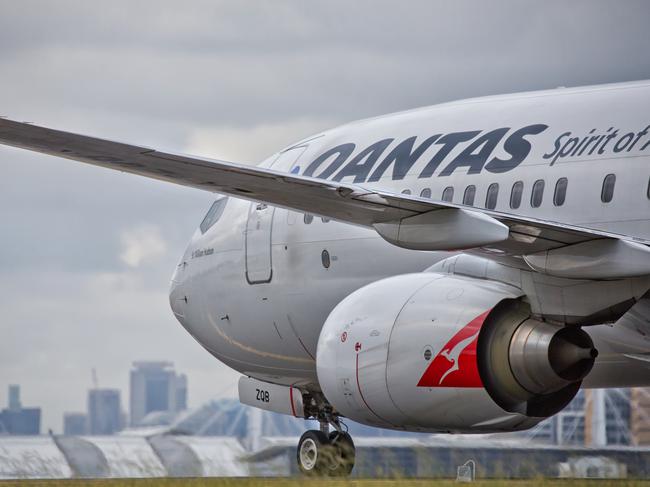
[
  {"x": 227, "y": 79},
  {"x": 243, "y": 62}
]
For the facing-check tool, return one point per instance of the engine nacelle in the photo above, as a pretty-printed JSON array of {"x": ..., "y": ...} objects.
[{"x": 438, "y": 352}]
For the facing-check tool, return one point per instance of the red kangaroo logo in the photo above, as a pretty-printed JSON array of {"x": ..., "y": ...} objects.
[{"x": 455, "y": 365}]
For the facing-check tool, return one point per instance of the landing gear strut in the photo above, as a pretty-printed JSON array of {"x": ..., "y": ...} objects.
[{"x": 321, "y": 453}]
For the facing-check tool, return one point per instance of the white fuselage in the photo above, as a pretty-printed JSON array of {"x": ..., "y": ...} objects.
[{"x": 254, "y": 289}]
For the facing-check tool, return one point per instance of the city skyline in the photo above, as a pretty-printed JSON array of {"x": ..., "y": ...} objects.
[{"x": 179, "y": 402}]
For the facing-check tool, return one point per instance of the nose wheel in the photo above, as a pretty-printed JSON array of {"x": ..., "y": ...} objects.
[{"x": 320, "y": 454}]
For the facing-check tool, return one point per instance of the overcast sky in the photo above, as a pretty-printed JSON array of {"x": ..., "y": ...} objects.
[{"x": 86, "y": 254}]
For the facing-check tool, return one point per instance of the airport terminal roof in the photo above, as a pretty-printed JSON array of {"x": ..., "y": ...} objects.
[{"x": 196, "y": 456}]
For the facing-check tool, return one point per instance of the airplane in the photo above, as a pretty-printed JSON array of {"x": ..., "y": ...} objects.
[{"x": 465, "y": 267}]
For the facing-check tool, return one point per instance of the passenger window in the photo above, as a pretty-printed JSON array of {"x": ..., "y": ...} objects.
[
  {"x": 324, "y": 219},
  {"x": 537, "y": 194},
  {"x": 515, "y": 194},
  {"x": 560, "y": 191},
  {"x": 406, "y": 191},
  {"x": 425, "y": 193},
  {"x": 213, "y": 214},
  {"x": 468, "y": 196},
  {"x": 491, "y": 197},
  {"x": 448, "y": 194},
  {"x": 607, "y": 192},
  {"x": 308, "y": 218}
]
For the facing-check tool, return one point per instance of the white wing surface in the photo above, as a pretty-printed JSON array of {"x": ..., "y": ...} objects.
[{"x": 404, "y": 220}]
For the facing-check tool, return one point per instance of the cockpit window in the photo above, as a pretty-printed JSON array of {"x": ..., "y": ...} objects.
[{"x": 213, "y": 215}]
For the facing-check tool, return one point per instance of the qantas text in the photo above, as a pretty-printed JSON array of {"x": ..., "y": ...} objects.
[
  {"x": 477, "y": 155},
  {"x": 496, "y": 151}
]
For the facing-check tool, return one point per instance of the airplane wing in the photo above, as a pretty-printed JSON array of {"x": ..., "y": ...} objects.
[{"x": 404, "y": 220}]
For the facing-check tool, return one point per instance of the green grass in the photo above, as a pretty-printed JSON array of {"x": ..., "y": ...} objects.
[{"x": 299, "y": 482}]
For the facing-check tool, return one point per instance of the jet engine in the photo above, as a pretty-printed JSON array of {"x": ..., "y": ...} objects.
[{"x": 438, "y": 352}]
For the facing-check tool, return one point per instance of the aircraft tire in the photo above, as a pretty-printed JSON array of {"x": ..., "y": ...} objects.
[
  {"x": 342, "y": 462},
  {"x": 314, "y": 453}
]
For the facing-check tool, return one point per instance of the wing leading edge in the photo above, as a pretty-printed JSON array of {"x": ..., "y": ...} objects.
[{"x": 403, "y": 220}]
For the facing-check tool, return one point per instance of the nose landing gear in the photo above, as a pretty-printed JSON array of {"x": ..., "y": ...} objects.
[{"x": 323, "y": 454}]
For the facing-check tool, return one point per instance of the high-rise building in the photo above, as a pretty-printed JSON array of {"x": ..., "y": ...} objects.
[
  {"x": 619, "y": 415},
  {"x": 608, "y": 416},
  {"x": 75, "y": 424},
  {"x": 104, "y": 411},
  {"x": 181, "y": 392},
  {"x": 155, "y": 387},
  {"x": 14, "y": 397},
  {"x": 17, "y": 420},
  {"x": 640, "y": 405}
]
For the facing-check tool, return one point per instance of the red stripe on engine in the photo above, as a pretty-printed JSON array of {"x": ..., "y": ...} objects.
[
  {"x": 293, "y": 408},
  {"x": 363, "y": 398}
]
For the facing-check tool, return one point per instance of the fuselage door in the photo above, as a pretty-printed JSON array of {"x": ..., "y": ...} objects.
[
  {"x": 259, "y": 227},
  {"x": 258, "y": 243}
]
